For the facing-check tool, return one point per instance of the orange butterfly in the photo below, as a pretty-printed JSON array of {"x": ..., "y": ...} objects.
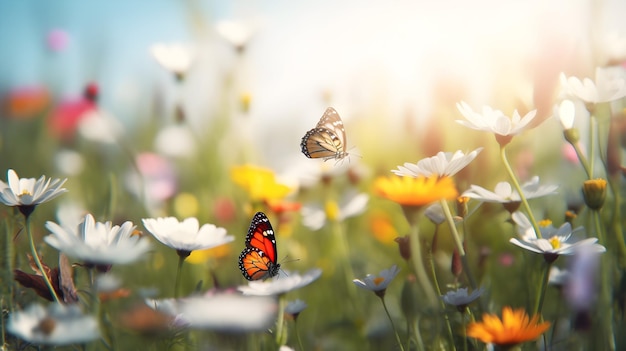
[{"x": 258, "y": 260}]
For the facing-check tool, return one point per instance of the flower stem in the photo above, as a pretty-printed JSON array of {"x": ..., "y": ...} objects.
[
  {"x": 605, "y": 288},
  {"x": 541, "y": 293},
  {"x": 281, "y": 336},
  {"x": 340, "y": 234},
  {"x": 392, "y": 325},
  {"x": 458, "y": 243},
  {"x": 295, "y": 326},
  {"x": 418, "y": 266},
  {"x": 441, "y": 302},
  {"x": 582, "y": 159},
  {"x": 616, "y": 216},
  {"x": 178, "y": 274},
  {"x": 519, "y": 190},
  {"x": 33, "y": 250}
]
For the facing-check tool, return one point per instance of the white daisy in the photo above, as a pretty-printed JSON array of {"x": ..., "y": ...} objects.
[
  {"x": 187, "y": 235},
  {"x": 607, "y": 87},
  {"x": 566, "y": 114},
  {"x": 284, "y": 282},
  {"x": 28, "y": 192},
  {"x": 494, "y": 121},
  {"x": 504, "y": 192},
  {"x": 378, "y": 283},
  {"x": 55, "y": 325},
  {"x": 551, "y": 247},
  {"x": 176, "y": 58},
  {"x": 352, "y": 204},
  {"x": 223, "y": 311},
  {"x": 97, "y": 243},
  {"x": 460, "y": 298},
  {"x": 443, "y": 164}
]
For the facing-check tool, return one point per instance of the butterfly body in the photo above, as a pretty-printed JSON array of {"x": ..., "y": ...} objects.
[
  {"x": 258, "y": 259},
  {"x": 327, "y": 140}
]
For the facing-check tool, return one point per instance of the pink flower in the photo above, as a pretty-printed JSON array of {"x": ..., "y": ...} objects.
[{"x": 57, "y": 40}]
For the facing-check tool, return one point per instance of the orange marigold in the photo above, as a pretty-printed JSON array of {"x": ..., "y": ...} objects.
[{"x": 514, "y": 328}]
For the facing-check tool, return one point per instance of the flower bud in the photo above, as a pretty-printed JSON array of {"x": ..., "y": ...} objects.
[{"x": 594, "y": 192}]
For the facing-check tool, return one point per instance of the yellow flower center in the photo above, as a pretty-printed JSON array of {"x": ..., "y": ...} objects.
[
  {"x": 378, "y": 280},
  {"x": 332, "y": 210},
  {"x": 555, "y": 242},
  {"x": 545, "y": 223},
  {"x": 25, "y": 192}
]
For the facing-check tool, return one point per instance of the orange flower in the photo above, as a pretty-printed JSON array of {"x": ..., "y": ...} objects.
[
  {"x": 514, "y": 328},
  {"x": 418, "y": 191}
]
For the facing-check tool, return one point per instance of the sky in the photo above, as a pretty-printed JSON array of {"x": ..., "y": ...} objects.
[{"x": 361, "y": 56}]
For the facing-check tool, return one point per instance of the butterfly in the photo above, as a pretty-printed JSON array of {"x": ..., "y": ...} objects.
[
  {"x": 327, "y": 140},
  {"x": 258, "y": 259}
]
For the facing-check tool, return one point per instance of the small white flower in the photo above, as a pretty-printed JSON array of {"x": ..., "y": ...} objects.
[
  {"x": 237, "y": 33},
  {"x": 504, "y": 192},
  {"x": 186, "y": 235},
  {"x": 443, "y": 164},
  {"x": 55, "y": 325},
  {"x": 176, "y": 141},
  {"x": 494, "y": 121},
  {"x": 566, "y": 114},
  {"x": 435, "y": 213},
  {"x": 108, "y": 282},
  {"x": 558, "y": 277},
  {"x": 607, "y": 87},
  {"x": 98, "y": 243},
  {"x": 100, "y": 127},
  {"x": 221, "y": 311},
  {"x": 176, "y": 58},
  {"x": 28, "y": 191},
  {"x": 378, "y": 283},
  {"x": 558, "y": 244},
  {"x": 353, "y": 204},
  {"x": 460, "y": 297},
  {"x": 69, "y": 162},
  {"x": 282, "y": 283},
  {"x": 295, "y": 307}
]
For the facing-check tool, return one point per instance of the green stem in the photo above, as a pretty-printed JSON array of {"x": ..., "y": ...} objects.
[
  {"x": 33, "y": 250},
  {"x": 582, "y": 159},
  {"x": 418, "y": 336},
  {"x": 605, "y": 288},
  {"x": 592, "y": 143},
  {"x": 392, "y": 325},
  {"x": 281, "y": 336},
  {"x": 418, "y": 266},
  {"x": 181, "y": 259},
  {"x": 542, "y": 289},
  {"x": 519, "y": 190},
  {"x": 616, "y": 216},
  {"x": 295, "y": 326},
  {"x": 441, "y": 302},
  {"x": 458, "y": 243},
  {"x": 340, "y": 234}
]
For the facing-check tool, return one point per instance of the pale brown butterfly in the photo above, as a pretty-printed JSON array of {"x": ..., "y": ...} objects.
[{"x": 327, "y": 140}]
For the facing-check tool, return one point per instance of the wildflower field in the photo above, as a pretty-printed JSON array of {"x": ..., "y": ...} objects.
[{"x": 161, "y": 213}]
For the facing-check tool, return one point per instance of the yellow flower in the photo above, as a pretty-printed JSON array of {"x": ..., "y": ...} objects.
[
  {"x": 418, "y": 191},
  {"x": 201, "y": 256},
  {"x": 514, "y": 328},
  {"x": 260, "y": 183}
]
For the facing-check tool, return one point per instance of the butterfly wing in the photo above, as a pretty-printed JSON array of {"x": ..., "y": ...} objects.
[
  {"x": 258, "y": 259},
  {"x": 255, "y": 265},
  {"x": 327, "y": 140}
]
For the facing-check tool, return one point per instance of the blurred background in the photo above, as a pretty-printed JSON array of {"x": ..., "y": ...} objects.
[{"x": 401, "y": 61}]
